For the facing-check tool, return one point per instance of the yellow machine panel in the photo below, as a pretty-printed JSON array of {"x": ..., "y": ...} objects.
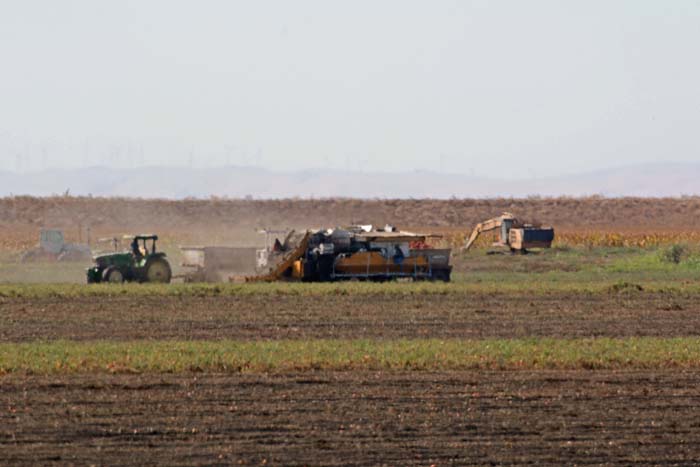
[
  {"x": 298, "y": 269},
  {"x": 373, "y": 262}
]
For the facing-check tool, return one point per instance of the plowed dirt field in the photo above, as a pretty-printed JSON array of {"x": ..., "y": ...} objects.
[
  {"x": 520, "y": 417},
  {"x": 471, "y": 316},
  {"x": 473, "y": 418}
]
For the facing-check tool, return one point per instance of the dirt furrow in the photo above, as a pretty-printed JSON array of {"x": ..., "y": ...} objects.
[
  {"x": 371, "y": 316},
  {"x": 473, "y": 418}
]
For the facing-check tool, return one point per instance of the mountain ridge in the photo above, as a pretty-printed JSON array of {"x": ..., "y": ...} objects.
[{"x": 671, "y": 179}]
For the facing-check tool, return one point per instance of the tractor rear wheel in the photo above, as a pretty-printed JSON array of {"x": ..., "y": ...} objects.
[
  {"x": 158, "y": 270},
  {"x": 112, "y": 275}
]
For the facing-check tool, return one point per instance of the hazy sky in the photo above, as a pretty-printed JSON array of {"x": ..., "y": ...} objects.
[{"x": 507, "y": 88}]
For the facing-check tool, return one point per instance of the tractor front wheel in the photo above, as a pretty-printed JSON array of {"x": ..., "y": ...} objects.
[
  {"x": 112, "y": 275},
  {"x": 158, "y": 270}
]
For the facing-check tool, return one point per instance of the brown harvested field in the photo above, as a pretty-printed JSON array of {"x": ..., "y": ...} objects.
[
  {"x": 224, "y": 221},
  {"x": 519, "y": 417},
  {"x": 327, "y": 418},
  {"x": 472, "y": 316}
]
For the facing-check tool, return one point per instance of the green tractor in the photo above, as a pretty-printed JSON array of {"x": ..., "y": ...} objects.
[{"x": 141, "y": 264}]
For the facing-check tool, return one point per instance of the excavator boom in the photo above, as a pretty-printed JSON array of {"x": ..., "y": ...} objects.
[{"x": 486, "y": 226}]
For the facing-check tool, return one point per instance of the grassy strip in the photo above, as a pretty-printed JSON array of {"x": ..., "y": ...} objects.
[
  {"x": 61, "y": 357},
  {"x": 541, "y": 286}
]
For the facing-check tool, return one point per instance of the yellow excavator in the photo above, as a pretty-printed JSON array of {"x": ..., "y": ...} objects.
[{"x": 517, "y": 236}]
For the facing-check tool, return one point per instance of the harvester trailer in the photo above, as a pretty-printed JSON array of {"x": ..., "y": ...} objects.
[{"x": 359, "y": 254}]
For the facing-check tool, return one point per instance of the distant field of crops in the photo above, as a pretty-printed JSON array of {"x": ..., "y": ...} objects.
[
  {"x": 626, "y": 239},
  {"x": 592, "y": 221},
  {"x": 592, "y": 238}
]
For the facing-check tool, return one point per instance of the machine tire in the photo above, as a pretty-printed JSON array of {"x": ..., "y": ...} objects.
[
  {"x": 441, "y": 275},
  {"x": 157, "y": 270},
  {"x": 112, "y": 275},
  {"x": 325, "y": 268}
]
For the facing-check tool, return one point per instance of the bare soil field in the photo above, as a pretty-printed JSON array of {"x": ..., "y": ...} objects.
[
  {"x": 224, "y": 221},
  {"x": 329, "y": 418},
  {"x": 471, "y": 316},
  {"x": 361, "y": 417}
]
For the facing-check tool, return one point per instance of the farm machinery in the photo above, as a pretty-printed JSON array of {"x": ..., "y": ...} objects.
[
  {"x": 53, "y": 247},
  {"x": 356, "y": 253},
  {"x": 513, "y": 234},
  {"x": 142, "y": 263},
  {"x": 216, "y": 263}
]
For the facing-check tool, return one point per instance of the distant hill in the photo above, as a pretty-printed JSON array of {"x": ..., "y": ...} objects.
[{"x": 651, "y": 180}]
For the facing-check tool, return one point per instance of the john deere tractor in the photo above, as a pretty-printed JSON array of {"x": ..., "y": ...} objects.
[{"x": 141, "y": 264}]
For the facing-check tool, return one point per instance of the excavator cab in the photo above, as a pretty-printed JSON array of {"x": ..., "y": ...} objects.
[{"x": 505, "y": 229}]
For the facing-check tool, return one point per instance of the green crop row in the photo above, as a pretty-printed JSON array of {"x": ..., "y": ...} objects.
[
  {"x": 488, "y": 283},
  {"x": 60, "y": 357}
]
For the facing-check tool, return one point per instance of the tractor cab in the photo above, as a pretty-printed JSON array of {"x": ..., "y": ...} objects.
[{"x": 144, "y": 245}]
